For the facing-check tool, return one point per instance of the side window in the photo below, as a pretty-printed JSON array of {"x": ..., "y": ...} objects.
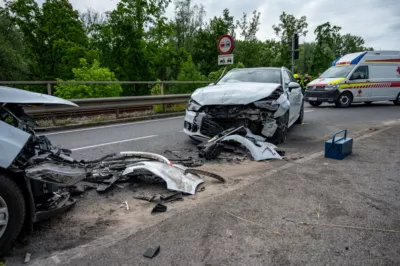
[{"x": 360, "y": 73}]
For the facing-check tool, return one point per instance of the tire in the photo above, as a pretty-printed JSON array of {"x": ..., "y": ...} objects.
[
  {"x": 301, "y": 116},
  {"x": 369, "y": 103},
  {"x": 12, "y": 215},
  {"x": 280, "y": 134},
  {"x": 345, "y": 99},
  {"x": 315, "y": 104},
  {"x": 397, "y": 101}
]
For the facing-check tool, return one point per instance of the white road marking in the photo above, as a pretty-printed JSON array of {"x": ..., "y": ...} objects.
[
  {"x": 114, "y": 142},
  {"x": 115, "y": 125},
  {"x": 306, "y": 111}
]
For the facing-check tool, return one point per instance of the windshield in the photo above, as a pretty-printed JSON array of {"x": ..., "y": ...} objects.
[
  {"x": 337, "y": 72},
  {"x": 259, "y": 76}
]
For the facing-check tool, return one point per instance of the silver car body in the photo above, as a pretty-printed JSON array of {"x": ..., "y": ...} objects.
[
  {"x": 13, "y": 139},
  {"x": 244, "y": 94}
]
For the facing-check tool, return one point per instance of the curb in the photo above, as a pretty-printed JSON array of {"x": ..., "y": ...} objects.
[{"x": 107, "y": 122}]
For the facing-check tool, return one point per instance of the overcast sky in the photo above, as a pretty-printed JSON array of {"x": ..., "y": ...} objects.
[{"x": 377, "y": 21}]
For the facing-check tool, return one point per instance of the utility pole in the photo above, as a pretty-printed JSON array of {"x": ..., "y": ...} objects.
[{"x": 295, "y": 46}]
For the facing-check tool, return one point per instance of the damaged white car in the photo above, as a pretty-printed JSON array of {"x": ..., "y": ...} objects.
[
  {"x": 37, "y": 179},
  {"x": 265, "y": 100}
]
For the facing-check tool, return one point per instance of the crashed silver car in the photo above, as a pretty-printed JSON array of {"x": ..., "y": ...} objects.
[
  {"x": 265, "y": 100},
  {"x": 37, "y": 179}
]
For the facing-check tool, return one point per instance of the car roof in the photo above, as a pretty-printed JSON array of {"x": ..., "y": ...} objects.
[{"x": 257, "y": 68}]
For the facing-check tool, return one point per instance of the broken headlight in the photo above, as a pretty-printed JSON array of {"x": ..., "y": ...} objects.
[{"x": 193, "y": 106}]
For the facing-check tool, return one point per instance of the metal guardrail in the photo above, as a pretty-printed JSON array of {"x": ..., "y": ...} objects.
[
  {"x": 105, "y": 105},
  {"x": 50, "y": 83}
]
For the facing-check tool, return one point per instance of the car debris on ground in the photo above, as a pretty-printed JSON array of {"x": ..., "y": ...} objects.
[
  {"x": 43, "y": 178},
  {"x": 238, "y": 138},
  {"x": 38, "y": 180}
]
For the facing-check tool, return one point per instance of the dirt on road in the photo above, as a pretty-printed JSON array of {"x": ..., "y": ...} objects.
[{"x": 257, "y": 223}]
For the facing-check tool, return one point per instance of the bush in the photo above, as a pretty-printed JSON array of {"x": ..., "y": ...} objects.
[
  {"x": 188, "y": 72},
  {"x": 89, "y": 73}
]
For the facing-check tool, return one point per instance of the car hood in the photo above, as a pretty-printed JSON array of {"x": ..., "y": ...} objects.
[
  {"x": 18, "y": 96},
  {"x": 325, "y": 81},
  {"x": 233, "y": 93}
]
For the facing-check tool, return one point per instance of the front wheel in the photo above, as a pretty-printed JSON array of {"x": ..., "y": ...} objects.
[
  {"x": 12, "y": 212},
  {"x": 345, "y": 99},
  {"x": 315, "y": 104}
]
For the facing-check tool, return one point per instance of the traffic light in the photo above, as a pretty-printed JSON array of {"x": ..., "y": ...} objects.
[
  {"x": 296, "y": 41},
  {"x": 296, "y": 55}
]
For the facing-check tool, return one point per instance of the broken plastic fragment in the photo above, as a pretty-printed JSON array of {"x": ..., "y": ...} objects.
[
  {"x": 173, "y": 175},
  {"x": 148, "y": 155},
  {"x": 258, "y": 150},
  {"x": 57, "y": 173}
]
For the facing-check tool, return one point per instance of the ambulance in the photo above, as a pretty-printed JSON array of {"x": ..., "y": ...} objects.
[{"x": 362, "y": 77}]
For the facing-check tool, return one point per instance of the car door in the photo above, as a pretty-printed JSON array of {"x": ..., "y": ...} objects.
[
  {"x": 359, "y": 79},
  {"x": 294, "y": 96}
]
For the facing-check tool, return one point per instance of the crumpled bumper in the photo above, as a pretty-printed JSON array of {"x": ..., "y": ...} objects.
[{"x": 198, "y": 125}]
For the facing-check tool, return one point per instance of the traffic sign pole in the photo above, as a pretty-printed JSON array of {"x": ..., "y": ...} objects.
[{"x": 225, "y": 47}]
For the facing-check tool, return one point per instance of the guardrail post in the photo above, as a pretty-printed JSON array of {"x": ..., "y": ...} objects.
[
  {"x": 49, "y": 88},
  {"x": 117, "y": 113},
  {"x": 162, "y": 93},
  {"x": 53, "y": 119}
]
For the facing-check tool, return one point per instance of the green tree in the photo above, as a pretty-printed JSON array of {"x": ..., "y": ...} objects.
[
  {"x": 249, "y": 49},
  {"x": 288, "y": 26},
  {"x": 13, "y": 64},
  {"x": 188, "y": 72},
  {"x": 205, "y": 53},
  {"x": 187, "y": 21},
  {"x": 53, "y": 35},
  {"x": 89, "y": 73}
]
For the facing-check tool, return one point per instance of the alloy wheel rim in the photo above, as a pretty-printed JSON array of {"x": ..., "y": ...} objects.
[
  {"x": 3, "y": 216},
  {"x": 344, "y": 100}
]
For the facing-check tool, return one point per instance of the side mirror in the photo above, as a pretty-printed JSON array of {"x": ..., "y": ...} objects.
[{"x": 293, "y": 85}]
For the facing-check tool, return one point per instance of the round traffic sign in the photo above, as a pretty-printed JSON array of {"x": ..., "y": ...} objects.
[{"x": 225, "y": 44}]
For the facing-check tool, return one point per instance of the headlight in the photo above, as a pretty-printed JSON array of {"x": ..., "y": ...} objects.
[
  {"x": 331, "y": 87},
  {"x": 193, "y": 106}
]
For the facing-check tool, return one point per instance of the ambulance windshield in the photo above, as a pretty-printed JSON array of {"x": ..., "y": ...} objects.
[{"x": 337, "y": 72}]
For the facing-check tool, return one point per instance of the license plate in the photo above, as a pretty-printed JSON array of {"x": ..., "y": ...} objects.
[{"x": 312, "y": 98}]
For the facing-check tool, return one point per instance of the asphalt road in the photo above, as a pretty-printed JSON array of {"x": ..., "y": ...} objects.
[
  {"x": 317, "y": 211},
  {"x": 166, "y": 134}
]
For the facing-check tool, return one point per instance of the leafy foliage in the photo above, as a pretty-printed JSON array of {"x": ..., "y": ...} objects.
[
  {"x": 89, "y": 73},
  {"x": 136, "y": 41}
]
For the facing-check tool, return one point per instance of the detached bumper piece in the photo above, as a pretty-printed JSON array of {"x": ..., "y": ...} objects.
[{"x": 259, "y": 150}]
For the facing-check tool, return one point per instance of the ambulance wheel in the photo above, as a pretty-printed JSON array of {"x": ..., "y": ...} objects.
[
  {"x": 12, "y": 212},
  {"x": 397, "y": 101},
  {"x": 345, "y": 99},
  {"x": 315, "y": 104}
]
